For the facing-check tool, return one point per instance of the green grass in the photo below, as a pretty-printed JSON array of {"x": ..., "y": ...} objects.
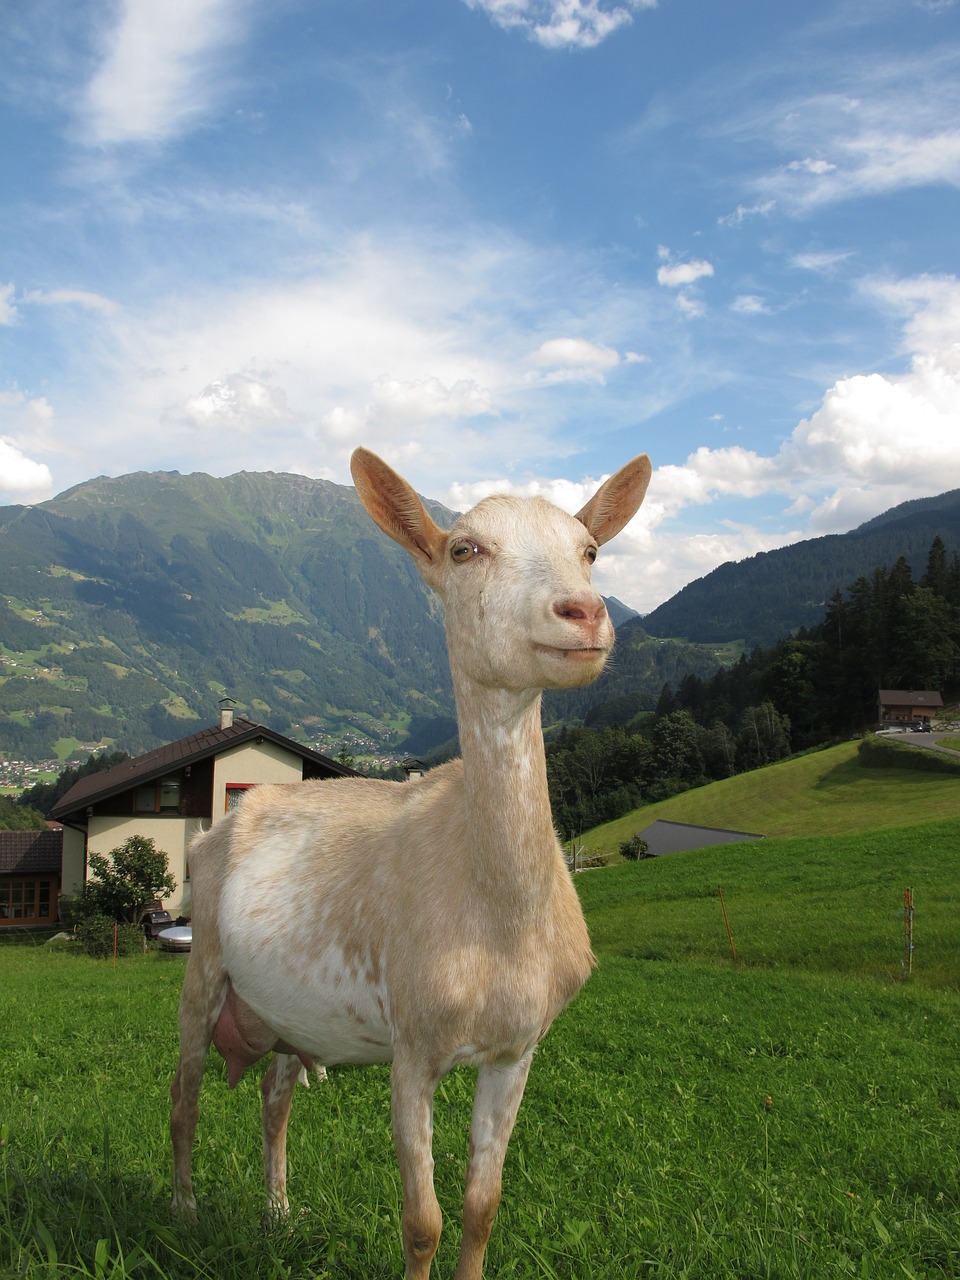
[
  {"x": 823, "y": 793},
  {"x": 791, "y": 1116}
]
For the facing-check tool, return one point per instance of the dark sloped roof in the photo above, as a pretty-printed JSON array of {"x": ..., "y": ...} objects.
[
  {"x": 196, "y": 746},
  {"x": 31, "y": 852},
  {"x": 910, "y": 698},
  {"x": 665, "y": 837}
]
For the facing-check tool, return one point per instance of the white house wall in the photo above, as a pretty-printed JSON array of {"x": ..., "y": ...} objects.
[
  {"x": 252, "y": 763},
  {"x": 170, "y": 834}
]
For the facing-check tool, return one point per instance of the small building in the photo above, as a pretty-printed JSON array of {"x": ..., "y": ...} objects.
[
  {"x": 897, "y": 707},
  {"x": 30, "y": 876},
  {"x": 175, "y": 792}
]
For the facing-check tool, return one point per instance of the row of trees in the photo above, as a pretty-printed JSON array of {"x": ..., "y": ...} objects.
[{"x": 598, "y": 775}]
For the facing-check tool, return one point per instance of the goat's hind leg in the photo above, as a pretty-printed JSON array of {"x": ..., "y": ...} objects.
[
  {"x": 277, "y": 1087},
  {"x": 204, "y": 988}
]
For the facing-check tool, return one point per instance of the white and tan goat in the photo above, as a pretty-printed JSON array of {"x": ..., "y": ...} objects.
[{"x": 426, "y": 923}]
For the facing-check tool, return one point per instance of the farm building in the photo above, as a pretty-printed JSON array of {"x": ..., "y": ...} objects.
[
  {"x": 905, "y": 706},
  {"x": 173, "y": 793}
]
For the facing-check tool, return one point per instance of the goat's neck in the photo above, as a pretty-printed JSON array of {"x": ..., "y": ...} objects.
[{"x": 513, "y": 846}]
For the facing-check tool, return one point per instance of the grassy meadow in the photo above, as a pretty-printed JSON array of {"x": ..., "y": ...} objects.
[{"x": 793, "y": 1114}]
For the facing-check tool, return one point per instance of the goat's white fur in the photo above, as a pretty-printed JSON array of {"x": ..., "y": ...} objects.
[{"x": 432, "y": 922}]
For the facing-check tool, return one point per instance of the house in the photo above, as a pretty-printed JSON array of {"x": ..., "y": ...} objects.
[
  {"x": 30, "y": 876},
  {"x": 173, "y": 793},
  {"x": 900, "y": 706}
]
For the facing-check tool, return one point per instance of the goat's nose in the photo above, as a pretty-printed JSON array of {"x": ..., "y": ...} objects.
[{"x": 583, "y": 608}]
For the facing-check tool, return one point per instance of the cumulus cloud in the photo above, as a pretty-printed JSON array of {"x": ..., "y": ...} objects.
[
  {"x": 236, "y": 403},
  {"x": 574, "y": 360},
  {"x": 561, "y": 24},
  {"x": 22, "y": 479},
  {"x": 158, "y": 68},
  {"x": 674, "y": 274},
  {"x": 874, "y": 441}
]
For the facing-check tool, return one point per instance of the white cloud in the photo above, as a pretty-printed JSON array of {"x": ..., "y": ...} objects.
[
  {"x": 748, "y": 304},
  {"x": 873, "y": 135},
  {"x": 22, "y": 479},
  {"x": 575, "y": 360},
  {"x": 8, "y": 311},
  {"x": 876, "y": 439},
  {"x": 236, "y": 403},
  {"x": 561, "y": 24},
  {"x": 673, "y": 275},
  {"x": 823, "y": 261},
  {"x": 71, "y": 297},
  {"x": 743, "y": 212},
  {"x": 158, "y": 70}
]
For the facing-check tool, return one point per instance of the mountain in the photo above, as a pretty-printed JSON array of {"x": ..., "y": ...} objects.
[
  {"x": 772, "y": 594},
  {"x": 129, "y": 606}
]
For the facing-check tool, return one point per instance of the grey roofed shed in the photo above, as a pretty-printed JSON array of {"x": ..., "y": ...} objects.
[{"x": 676, "y": 837}]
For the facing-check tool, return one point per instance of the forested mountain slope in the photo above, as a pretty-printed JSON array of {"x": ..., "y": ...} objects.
[
  {"x": 128, "y": 606},
  {"x": 772, "y": 594}
]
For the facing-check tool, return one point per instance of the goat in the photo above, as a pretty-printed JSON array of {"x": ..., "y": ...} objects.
[{"x": 431, "y": 922}]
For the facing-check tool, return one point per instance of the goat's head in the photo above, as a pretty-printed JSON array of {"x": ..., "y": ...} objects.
[{"x": 514, "y": 574}]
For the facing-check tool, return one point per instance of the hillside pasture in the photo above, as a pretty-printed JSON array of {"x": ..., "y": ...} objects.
[
  {"x": 793, "y": 1115},
  {"x": 822, "y": 793}
]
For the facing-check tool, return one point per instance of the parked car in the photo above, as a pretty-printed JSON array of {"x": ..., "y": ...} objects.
[
  {"x": 922, "y": 727},
  {"x": 152, "y": 922},
  {"x": 178, "y": 938}
]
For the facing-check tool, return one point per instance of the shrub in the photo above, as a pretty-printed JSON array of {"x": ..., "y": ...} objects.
[
  {"x": 95, "y": 935},
  {"x": 634, "y": 848}
]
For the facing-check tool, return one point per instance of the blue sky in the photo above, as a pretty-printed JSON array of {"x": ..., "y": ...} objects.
[{"x": 505, "y": 243}]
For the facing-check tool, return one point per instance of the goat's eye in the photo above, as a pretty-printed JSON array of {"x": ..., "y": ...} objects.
[
  {"x": 591, "y": 554},
  {"x": 463, "y": 550}
]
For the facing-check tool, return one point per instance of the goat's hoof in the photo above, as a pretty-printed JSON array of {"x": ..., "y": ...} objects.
[{"x": 185, "y": 1210}]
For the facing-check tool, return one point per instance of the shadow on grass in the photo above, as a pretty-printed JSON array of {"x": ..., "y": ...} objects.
[{"x": 57, "y": 1222}]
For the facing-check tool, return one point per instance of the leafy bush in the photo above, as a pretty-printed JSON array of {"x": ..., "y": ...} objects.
[
  {"x": 128, "y": 879},
  {"x": 634, "y": 848}
]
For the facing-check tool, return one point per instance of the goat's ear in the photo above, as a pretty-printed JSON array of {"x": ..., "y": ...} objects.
[
  {"x": 617, "y": 500},
  {"x": 393, "y": 505}
]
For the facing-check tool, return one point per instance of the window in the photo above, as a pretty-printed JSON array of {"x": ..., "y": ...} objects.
[
  {"x": 235, "y": 792},
  {"x": 28, "y": 901},
  {"x": 161, "y": 796}
]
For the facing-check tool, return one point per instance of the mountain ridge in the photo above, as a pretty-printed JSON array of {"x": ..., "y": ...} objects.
[{"x": 772, "y": 594}]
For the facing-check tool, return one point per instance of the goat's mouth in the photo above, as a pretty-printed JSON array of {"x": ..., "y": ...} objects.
[{"x": 575, "y": 653}]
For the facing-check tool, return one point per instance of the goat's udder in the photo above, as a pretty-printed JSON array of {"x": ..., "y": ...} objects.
[{"x": 241, "y": 1039}]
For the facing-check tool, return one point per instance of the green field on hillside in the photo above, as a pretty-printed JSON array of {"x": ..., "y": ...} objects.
[{"x": 822, "y": 793}]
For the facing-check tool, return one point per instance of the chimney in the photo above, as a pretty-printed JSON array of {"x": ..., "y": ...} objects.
[{"x": 226, "y": 713}]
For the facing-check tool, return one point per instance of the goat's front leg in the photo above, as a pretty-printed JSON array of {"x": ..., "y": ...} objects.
[
  {"x": 412, "y": 1105},
  {"x": 277, "y": 1088},
  {"x": 495, "y": 1106}
]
